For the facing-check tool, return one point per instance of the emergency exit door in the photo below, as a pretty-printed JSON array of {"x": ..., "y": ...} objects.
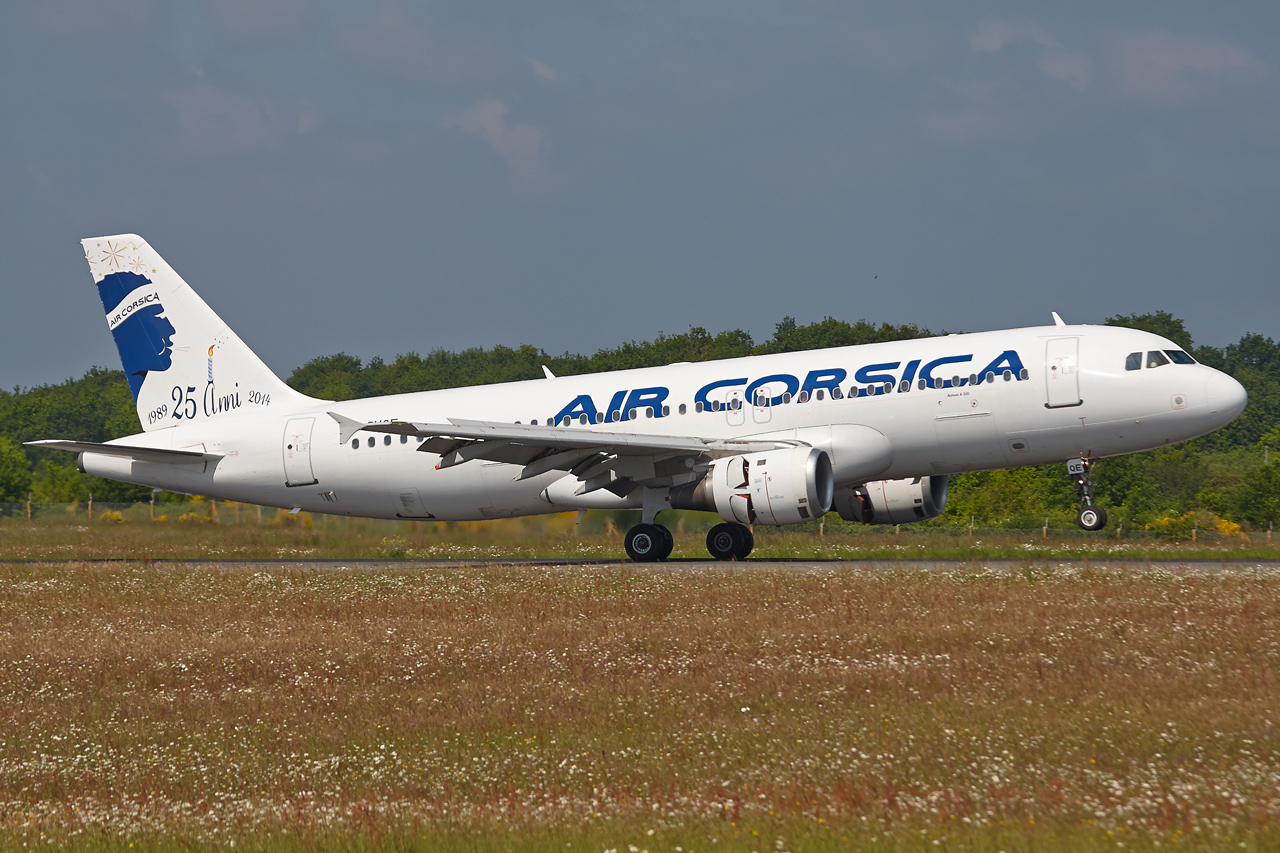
[
  {"x": 1062, "y": 373},
  {"x": 297, "y": 452}
]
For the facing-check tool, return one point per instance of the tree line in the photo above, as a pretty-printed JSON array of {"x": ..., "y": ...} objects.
[{"x": 1228, "y": 479}]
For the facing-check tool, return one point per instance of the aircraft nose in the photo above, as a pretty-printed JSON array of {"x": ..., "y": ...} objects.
[{"x": 1225, "y": 396}]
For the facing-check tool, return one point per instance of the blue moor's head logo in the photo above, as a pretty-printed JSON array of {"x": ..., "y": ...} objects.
[{"x": 144, "y": 336}]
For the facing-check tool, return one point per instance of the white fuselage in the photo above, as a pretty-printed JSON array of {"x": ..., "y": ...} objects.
[{"x": 1070, "y": 396}]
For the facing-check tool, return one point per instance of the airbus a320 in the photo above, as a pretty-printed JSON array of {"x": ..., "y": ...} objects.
[{"x": 871, "y": 431}]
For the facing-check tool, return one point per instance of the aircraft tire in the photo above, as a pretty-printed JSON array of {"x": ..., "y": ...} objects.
[
  {"x": 748, "y": 542},
  {"x": 726, "y": 542},
  {"x": 645, "y": 543},
  {"x": 1092, "y": 517},
  {"x": 668, "y": 543}
]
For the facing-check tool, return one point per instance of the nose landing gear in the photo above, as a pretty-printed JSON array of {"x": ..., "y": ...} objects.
[{"x": 1090, "y": 517}]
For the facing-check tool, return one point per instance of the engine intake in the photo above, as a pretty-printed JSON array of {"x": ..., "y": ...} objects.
[
  {"x": 787, "y": 486},
  {"x": 893, "y": 501}
]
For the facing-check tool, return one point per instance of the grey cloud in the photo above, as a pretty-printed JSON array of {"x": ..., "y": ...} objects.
[
  {"x": 393, "y": 42},
  {"x": 258, "y": 20},
  {"x": 211, "y": 121},
  {"x": 1055, "y": 61},
  {"x": 1163, "y": 66},
  {"x": 519, "y": 145}
]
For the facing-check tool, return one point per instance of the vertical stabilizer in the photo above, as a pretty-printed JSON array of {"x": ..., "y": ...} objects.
[{"x": 182, "y": 361}]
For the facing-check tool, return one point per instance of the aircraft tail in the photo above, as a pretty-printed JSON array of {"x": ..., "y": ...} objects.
[{"x": 183, "y": 363}]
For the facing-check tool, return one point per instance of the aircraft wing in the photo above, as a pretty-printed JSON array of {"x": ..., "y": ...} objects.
[
  {"x": 142, "y": 454},
  {"x": 600, "y": 458}
]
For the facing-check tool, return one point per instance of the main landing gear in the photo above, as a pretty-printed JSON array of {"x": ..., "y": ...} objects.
[
  {"x": 1090, "y": 517},
  {"x": 651, "y": 543},
  {"x": 728, "y": 541},
  {"x": 648, "y": 543}
]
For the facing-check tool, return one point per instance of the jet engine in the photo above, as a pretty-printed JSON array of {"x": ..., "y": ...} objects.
[
  {"x": 893, "y": 501},
  {"x": 787, "y": 486}
]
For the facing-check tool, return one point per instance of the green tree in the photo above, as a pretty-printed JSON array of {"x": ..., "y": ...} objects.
[
  {"x": 15, "y": 472},
  {"x": 1161, "y": 323},
  {"x": 1259, "y": 495}
]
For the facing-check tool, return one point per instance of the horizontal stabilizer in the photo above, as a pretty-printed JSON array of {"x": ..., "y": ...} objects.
[{"x": 142, "y": 454}]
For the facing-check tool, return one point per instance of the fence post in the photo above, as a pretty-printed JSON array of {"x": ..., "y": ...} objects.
[
  {"x": 29, "y": 508},
  {"x": 1195, "y": 527},
  {"x": 259, "y": 513},
  {"x": 153, "y": 506},
  {"x": 897, "y": 529},
  {"x": 1044, "y": 531},
  {"x": 821, "y": 527},
  {"x": 971, "y": 525},
  {"x": 91, "y": 506}
]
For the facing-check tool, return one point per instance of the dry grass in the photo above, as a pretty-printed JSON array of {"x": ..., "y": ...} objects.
[{"x": 615, "y": 708}]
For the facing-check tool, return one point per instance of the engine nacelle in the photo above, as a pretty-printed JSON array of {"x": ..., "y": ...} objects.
[
  {"x": 787, "y": 486},
  {"x": 893, "y": 501}
]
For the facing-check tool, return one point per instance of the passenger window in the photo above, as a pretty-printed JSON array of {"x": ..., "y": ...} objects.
[
  {"x": 355, "y": 444},
  {"x": 786, "y": 396},
  {"x": 803, "y": 397},
  {"x": 1133, "y": 361},
  {"x": 837, "y": 394},
  {"x": 582, "y": 419},
  {"x": 372, "y": 441},
  {"x": 599, "y": 417},
  {"x": 1155, "y": 358},
  {"x": 666, "y": 411},
  {"x": 1179, "y": 357},
  {"x": 534, "y": 422},
  {"x": 819, "y": 394},
  {"x": 697, "y": 407},
  {"x": 404, "y": 439},
  {"x": 682, "y": 408},
  {"x": 386, "y": 439}
]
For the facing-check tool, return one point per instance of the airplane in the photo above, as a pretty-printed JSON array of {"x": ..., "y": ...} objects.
[{"x": 871, "y": 431}]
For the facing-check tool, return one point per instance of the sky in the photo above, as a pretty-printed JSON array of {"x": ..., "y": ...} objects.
[{"x": 378, "y": 177}]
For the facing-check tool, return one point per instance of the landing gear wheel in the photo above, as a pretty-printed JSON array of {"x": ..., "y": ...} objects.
[
  {"x": 668, "y": 544},
  {"x": 730, "y": 541},
  {"x": 1092, "y": 517},
  {"x": 723, "y": 541},
  {"x": 648, "y": 543}
]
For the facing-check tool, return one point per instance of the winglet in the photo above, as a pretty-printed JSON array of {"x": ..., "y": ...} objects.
[
  {"x": 347, "y": 427},
  {"x": 1057, "y": 321},
  {"x": 547, "y": 371}
]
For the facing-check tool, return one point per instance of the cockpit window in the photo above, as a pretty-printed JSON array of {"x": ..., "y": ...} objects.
[
  {"x": 1155, "y": 358},
  {"x": 1133, "y": 361},
  {"x": 1179, "y": 357}
]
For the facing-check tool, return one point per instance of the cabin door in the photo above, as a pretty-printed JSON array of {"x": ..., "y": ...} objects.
[
  {"x": 297, "y": 452},
  {"x": 1062, "y": 374}
]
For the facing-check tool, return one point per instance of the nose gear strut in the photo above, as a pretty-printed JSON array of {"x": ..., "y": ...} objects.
[{"x": 1090, "y": 517}]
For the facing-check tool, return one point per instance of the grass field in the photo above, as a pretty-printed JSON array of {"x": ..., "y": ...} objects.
[
  {"x": 232, "y": 533},
  {"x": 631, "y": 709}
]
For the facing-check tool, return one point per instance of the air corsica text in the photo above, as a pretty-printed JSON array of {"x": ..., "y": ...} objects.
[{"x": 769, "y": 390}]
